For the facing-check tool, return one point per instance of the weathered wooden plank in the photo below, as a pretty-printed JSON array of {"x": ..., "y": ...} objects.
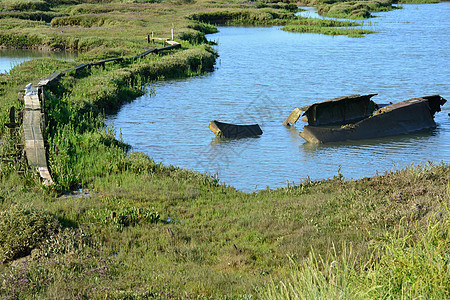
[
  {"x": 67, "y": 71},
  {"x": 32, "y": 117},
  {"x": 43, "y": 82},
  {"x": 32, "y": 134},
  {"x": 32, "y": 102},
  {"x": 167, "y": 48},
  {"x": 33, "y": 138},
  {"x": 30, "y": 153},
  {"x": 144, "y": 53},
  {"x": 159, "y": 39},
  {"x": 102, "y": 62},
  {"x": 36, "y": 157},
  {"x": 227, "y": 130},
  {"x": 172, "y": 43},
  {"x": 53, "y": 76},
  {"x": 45, "y": 175},
  {"x": 34, "y": 143},
  {"x": 81, "y": 66}
]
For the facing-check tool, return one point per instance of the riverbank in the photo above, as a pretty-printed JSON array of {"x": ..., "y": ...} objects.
[
  {"x": 103, "y": 31},
  {"x": 139, "y": 229}
]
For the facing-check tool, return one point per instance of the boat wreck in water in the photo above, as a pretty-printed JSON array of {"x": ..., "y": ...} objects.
[
  {"x": 227, "y": 130},
  {"x": 358, "y": 117}
]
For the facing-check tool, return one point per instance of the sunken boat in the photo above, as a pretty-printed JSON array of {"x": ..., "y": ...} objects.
[
  {"x": 227, "y": 130},
  {"x": 358, "y": 117}
]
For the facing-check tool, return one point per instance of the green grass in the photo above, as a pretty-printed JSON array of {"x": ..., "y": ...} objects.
[
  {"x": 409, "y": 263},
  {"x": 96, "y": 28},
  {"x": 351, "y": 32},
  {"x": 219, "y": 241},
  {"x": 354, "y": 10}
]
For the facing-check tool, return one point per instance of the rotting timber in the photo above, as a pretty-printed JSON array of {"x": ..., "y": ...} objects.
[
  {"x": 360, "y": 118},
  {"x": 339, "y": 110},
  {"x": 227, "y": 130}
]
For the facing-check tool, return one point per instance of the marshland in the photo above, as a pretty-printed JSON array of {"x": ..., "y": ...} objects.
[{"x": 124, "y": 221}]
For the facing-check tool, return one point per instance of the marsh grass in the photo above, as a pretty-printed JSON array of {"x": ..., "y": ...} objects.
[
  {"x": 351, "y": 32},
  {"x": 410, "y": 262},
  {"x": 179, "y": 233},
  {"x": 145, "y": 230},
  {"x": 90, "y": 26}
]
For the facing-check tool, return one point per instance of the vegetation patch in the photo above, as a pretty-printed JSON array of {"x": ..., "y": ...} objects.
[
  {"x": 410, "y": 262},
  {"x": 24, "y": 5},
  {"x": 23, "y": 230},
  {"x": 351, "y": 32},
  {"x": 354, "y": 10},
  {"x": 234, "y": 17}
]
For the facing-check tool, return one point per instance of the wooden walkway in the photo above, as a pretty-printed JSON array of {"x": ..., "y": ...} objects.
[
  {"x": 33, "y": 124},
  {"x": 34, "y": 118}
]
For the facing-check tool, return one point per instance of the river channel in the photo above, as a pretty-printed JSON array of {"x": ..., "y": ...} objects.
[
  {"x": 9, "y": 58},
  {"x": 262, "y": 74}
]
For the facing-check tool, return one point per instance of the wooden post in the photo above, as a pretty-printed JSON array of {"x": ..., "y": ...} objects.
[
  {"x": 148, "y": 39},
  {"x": 12, "y": 120},
  {"x": 12, "y": 125},
  {"x": 173, "y": 26},
  {"x": 12, "y": 115}
]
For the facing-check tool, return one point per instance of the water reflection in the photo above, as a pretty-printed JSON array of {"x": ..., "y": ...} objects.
[
  {"x": 309, "y": 12},
  {"x": 9, "y": 58},
  {"x": 411, "y": 140}
]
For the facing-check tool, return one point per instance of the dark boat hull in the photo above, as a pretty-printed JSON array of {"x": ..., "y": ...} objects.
[
  {"x": 400, "y": 118},
  {"x": 227, "y": 130}
]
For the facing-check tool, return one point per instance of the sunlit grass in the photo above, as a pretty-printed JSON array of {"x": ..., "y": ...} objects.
[
  {"x": 351, "y": 32},
  {"x": 409, "y": 263}
]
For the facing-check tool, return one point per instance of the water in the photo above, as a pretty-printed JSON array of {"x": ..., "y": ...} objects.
[
  {"x": 264, "y": 73},
  {"x": 9, "y": 58}
]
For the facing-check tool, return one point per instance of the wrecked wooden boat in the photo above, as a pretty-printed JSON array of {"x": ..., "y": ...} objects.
[
  {"x": 227, "y": 130},
  {"x": 335, "y": 111},
  {"x": 357, "y": 117}
]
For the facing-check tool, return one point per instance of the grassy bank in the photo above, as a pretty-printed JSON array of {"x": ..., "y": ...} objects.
[
  {"x": 108, "y": 29},
  {"x": 145, "y": 230}
]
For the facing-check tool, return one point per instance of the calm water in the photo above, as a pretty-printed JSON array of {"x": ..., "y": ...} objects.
[
  {"x": 11, "y": 58},
  {"x": 264, "y": 73}
]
